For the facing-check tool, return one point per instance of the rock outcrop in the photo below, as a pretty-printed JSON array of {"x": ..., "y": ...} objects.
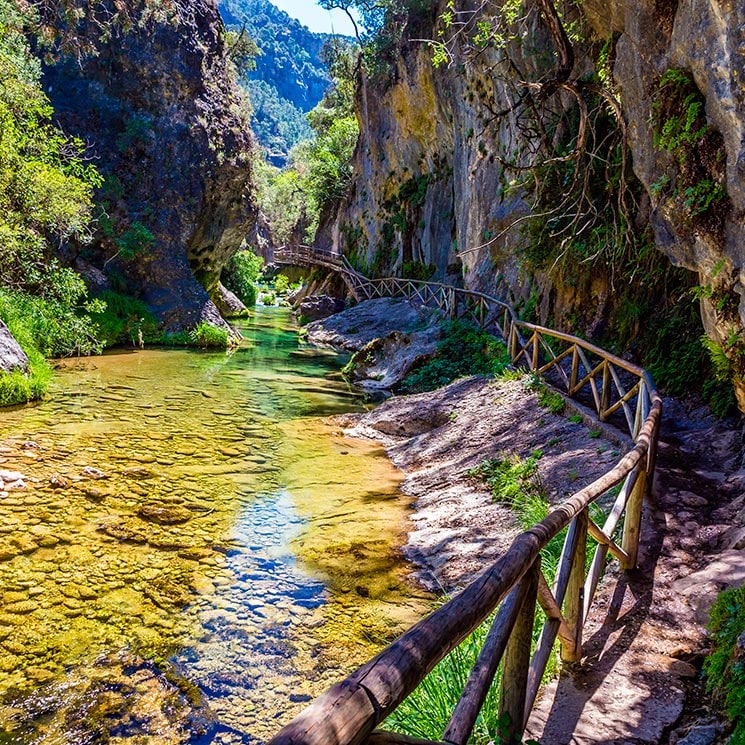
[
  {"x": 167, "y": 127},
  {"x": 704, "y": 39},
  {"x": 12, "y": 357}
]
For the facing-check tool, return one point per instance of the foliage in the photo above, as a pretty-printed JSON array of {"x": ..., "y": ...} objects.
[
  {"x": 548, "y": 398},
  {"x": 125, "y": 320},
  {"x": 382, "y": 29},
  {"x": 278, "y": 124},
  {"x": 319, "y": 170},
  {"x": 45, "y": 200},
  {"x": 19, "y": 388},
  {"x": 281, "y": 284},
  {"x": 207, "y": 336},
  {"x": 463, "y": 350},
  {"x": 680, "y": 128},
  {"x": 242, "y": 51},
  {"x": 241, "y": 274},
  {"x": 724, "y": 668}
]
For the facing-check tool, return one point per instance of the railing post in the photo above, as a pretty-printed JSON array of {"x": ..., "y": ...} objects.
[
  {"x": 517, "y": 662},
  {"x": 574, "y": 600},
  {"x": 605, "y": 393},
  {"x": 536, "y": 349},
  {"x": 633, "y": 519},
  {"x": 575, "y": 371}
]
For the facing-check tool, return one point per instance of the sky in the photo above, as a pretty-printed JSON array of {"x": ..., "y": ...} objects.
[{"x": 315, "y": 18}]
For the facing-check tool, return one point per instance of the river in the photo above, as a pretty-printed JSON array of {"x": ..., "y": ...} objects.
[{"x": 197, "y": 549}]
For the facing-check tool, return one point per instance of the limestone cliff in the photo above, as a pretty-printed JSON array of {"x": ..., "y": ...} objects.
[
  {"x": 432, "y": 196},
  {"x": 167, "y": 127}
]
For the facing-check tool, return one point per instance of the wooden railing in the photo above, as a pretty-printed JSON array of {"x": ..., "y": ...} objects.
[
  {"x": 307, "y": 256},
  {"x": 349, "y": 712}
]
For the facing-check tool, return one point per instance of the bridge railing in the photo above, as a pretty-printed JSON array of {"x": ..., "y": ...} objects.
[
  {"x": 307, "y": 256},
  {"x": 514, "y": 585}
]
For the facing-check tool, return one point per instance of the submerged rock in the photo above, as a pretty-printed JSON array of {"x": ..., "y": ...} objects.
[
  {"x": 165, "y": 514},
  {"x": 118, "y": 697}
]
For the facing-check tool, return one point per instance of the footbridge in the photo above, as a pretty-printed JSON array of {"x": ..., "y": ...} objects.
[{"x": 612, "y": 390}]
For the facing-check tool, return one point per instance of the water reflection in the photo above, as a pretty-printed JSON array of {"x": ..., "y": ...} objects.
[{"x": 187, "y": 524}]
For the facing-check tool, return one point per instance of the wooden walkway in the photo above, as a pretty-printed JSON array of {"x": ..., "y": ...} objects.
[{"x": 615, "y": 390}]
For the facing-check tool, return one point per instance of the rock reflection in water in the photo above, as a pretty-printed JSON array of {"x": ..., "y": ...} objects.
[{"x": 185, "y": 521}]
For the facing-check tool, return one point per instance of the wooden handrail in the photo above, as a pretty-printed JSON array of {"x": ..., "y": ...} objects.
[{"x": 349, "y": 712}]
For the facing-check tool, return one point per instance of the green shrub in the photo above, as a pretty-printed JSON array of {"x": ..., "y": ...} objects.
[
  {"x": 241, "y": 274},
  {"x": 281, "y": 284},
  {"x": 464, "y": 350},
  {"x": 207, "y": 336},
  {"x": 49, "y": 325},
  {"x": 20, "y": 388},
  {"x": 123, "y": 319},
  {"x": 548, "y": 398},
  {"x": 724, "y": 668}
]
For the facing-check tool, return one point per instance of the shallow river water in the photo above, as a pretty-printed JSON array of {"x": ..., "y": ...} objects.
[{"x": 195, "y": 549}]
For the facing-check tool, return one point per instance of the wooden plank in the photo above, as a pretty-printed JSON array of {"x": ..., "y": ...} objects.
[
  {"x": 609, "y": 543},
  {"x": 477, "y": 686},
  {"x": 627, "y": 411},
  {"x": 538, "y": 664},
  {"x": 551, "y": 609},
  {"x": 632, "y": 521},
  {"x": 574, "y": 604},
  {"x": 517, "y": 663},
  {"x": 382, "y": 737},
  {"x": 624, "y": 397},
  {"x": 605, "y": 394},
  {"x": 590, "y": 377},
  {"x": 575, "y": 369}
]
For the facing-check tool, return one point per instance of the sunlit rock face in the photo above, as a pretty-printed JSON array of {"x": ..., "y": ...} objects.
[
  {"x": 430, "y": 196},
  {"x": 12, "y": 357},
  {"x": 168, "y": 129}
]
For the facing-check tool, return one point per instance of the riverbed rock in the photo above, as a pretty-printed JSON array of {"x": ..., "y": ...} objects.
[
  {"x": 384, "y": 363},
  {"x": 12, "y": 357},
  {"x": 117, "y": 698},
  {"x": 229, "y": 304},
  {"x": 165, "y": 514},
  {"x": 355, "y": 327},
  {"x": 318, "y": 307}
]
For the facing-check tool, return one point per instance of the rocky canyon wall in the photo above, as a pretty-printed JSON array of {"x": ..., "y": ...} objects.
[
  {"x": 431, "y": 195},
  {"x": 154, "y": 100}
]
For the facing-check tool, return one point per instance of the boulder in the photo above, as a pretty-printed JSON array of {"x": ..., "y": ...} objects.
[
  {"x": 12, "y": 357},
  {"x": 352, "y": 329},
  {"x": 318, "y": 307},
  {"x": 167, "y": 126},
  {"x": 229, "y": 304},
  {"x": 384, "y": 363}
]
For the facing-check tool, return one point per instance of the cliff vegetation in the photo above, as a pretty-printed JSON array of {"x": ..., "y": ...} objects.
[
  {"x": 125, "y": 178},
  {"x": 524, "y": 149}
]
